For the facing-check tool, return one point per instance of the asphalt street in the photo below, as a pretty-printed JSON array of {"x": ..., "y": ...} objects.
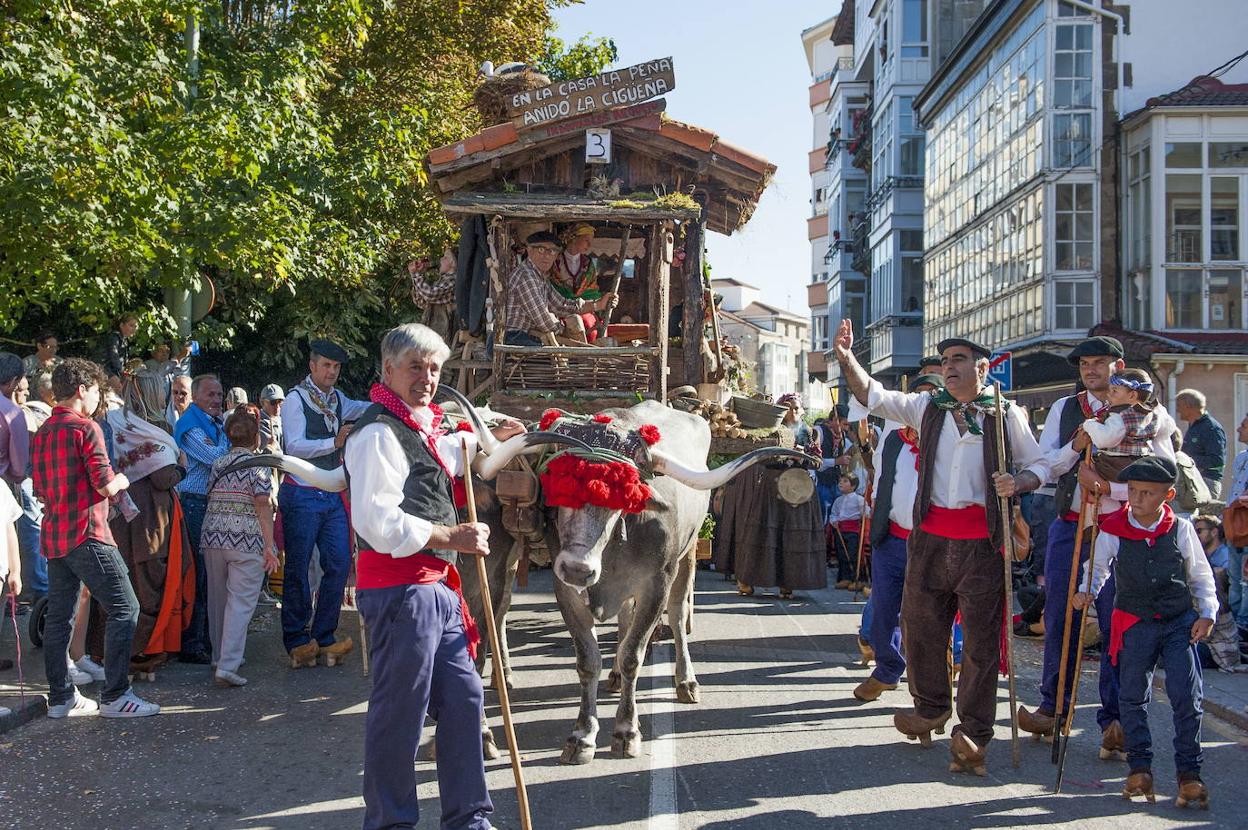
[{"x": 777, "y": 741}]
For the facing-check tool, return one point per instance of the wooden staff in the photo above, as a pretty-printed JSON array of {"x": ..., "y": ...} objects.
[
  {"x": 1064, "y": 737},
  {"x": 496, "y": 656},
  {"x": 868, "y": 464},
  {"x": 1008, "y": 559},
  {"x": 1072, "y": 584},
  {"x": 605, "y": 320}
]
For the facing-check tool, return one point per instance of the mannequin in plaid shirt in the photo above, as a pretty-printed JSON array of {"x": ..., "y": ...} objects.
[{"x": 534, "y": 309}]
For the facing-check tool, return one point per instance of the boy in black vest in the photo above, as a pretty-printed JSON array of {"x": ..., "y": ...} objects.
[{"x": 1161, "y": 573}]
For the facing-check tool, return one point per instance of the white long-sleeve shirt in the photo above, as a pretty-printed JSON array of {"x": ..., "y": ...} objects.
[
  {"x": 847, "y": 507},
  {"x": 295, "y": 428},
  {"x": 906, "y": 479},
  {"x": 1199, "y": 573},
  {"x": 958, "y": 478},
  {"x": 378, "y": 469}
]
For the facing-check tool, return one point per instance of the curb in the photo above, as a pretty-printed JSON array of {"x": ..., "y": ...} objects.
[
  {"x": 36, "y": 706},
  {"x": 1231, "y": 716}
]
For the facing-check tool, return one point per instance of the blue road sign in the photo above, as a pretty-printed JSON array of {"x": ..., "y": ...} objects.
[{"x": 1001, "y": 370}]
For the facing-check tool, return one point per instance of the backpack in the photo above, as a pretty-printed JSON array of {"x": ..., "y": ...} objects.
[{"x": 1190, "y": 490}]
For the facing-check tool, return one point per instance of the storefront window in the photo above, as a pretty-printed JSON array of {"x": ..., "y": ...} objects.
[
  {"x": 1225, "y": 300},
  {"x": 1183, "y": 300},
  {"x": 1224, "y": 218},
  {"x": 1183, "y": 226}
]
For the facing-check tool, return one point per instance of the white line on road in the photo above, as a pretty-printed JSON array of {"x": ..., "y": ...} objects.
[{"x": 664, "y": 811}]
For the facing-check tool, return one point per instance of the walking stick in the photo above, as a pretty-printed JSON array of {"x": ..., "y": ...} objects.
[
  {"x": 1059, "y": 706},
  {"x": 1064, "y": 737},
  {"x": 1008, "y": 559},
  {"x": 496, "y": 656},
  {"x": 868, "y": 462},
  {"x": 605, "y": 320}
]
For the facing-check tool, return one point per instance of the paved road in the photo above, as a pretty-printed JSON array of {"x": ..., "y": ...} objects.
[{"x": 777, "y": 742}]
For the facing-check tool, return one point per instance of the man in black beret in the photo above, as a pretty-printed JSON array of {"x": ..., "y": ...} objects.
[
  {"x": 1063, "y": 442},
  {"x": 1166, "y": 601},
  {"x": 533, "y": 310},
  {"x": 930, "y": 365},
  {"x": 955, "y": 548},
  {"x": 316, "y": 420}
]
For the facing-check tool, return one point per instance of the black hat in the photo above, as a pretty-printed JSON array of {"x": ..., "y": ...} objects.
[
  {"x": 544, "y": 236},
  {"x": 1100, "y": 346},
  {"x": 934, "y": 380},
  {"x": 1151, "y": 468},
  {"x": 930, "y": 360},
  {"x": 329, "y": 349},
  {"x": 976, "y": 349},
  {"x": 842, "y": 410}
]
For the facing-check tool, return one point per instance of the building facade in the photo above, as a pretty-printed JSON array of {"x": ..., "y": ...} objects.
[
  {"x": 774, "y": 342},
  {"x": 821, "y": 58}
]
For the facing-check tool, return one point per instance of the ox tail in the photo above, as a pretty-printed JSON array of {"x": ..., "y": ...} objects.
[{"x": 710, "y": 479}]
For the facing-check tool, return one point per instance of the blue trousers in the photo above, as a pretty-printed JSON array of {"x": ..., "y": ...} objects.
[
  {"x": 313, "y": 518},
  {"x": 1056, "y": 579},
  {"x": 418, "y": 653},
  {"x": 34, "y": 564},
  {"x": 1142, "y": 645},
  {"x": 1235, "y": 594},
  {"x": 195, "y": 639}
]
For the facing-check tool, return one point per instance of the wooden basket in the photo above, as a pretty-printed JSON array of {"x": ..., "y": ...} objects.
[
  {"x": 758, "y": 414},
  {"x": 564, "y": 369}
]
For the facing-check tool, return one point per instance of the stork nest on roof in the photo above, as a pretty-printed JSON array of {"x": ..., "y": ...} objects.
[{"x": 493, "y": 97}]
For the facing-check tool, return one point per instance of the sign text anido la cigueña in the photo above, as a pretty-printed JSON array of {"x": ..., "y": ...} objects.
[{"x": 581, "y": 96}]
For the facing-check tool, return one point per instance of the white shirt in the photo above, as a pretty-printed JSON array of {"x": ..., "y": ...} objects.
[
  {"x": 1239, "y": 477},
  {"x": 295, "y": 428},
  {"x": 1199, "y": 573},
  {"x": 958, "y": 478},
  {"x": 10, "y": 512},
  {"x": 378, "y": 469},
  {"x": 848, "y": 506},
  {"x": 1063, "y": 458}
]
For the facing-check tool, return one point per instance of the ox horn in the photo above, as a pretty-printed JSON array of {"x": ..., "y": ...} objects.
[
  {"x": 710, "y": 479},
  {"x": 489, "y": 444},
  {"x": 333, "y": 481},
  {"x": 488, "y": 466}
]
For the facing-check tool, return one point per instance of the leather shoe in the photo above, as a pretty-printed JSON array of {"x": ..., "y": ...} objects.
[
  {"x": 197, "y": 658},
  {"x": 1037, "y": 722},
  {"x": 871, "y": 689}
]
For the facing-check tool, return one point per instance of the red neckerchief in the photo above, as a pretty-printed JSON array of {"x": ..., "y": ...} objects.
[
  {"x": 1119, "y": 524},
  {"x": 910, "y": 437},
  {"x": 1086, "y": 405},
  {"x": 385, "y": 397}
]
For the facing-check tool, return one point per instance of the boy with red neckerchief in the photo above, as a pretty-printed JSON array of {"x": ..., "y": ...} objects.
[{"x": 1166, "y": 602}]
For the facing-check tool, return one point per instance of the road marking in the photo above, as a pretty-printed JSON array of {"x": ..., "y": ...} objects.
[{"x": 664, "y": 811}]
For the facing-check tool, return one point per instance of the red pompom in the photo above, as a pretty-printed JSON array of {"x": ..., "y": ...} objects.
[
  {"x": 463, "y": 426},
  {"x": 602, "y": 419},
  {"x": 574, "y": 482},
  {"x": 548, "y": 418},
  {"x": 650, "y": 434}
]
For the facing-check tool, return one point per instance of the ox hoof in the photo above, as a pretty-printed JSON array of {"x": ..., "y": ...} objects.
[
  {"x": 626, "y": 746},
  {"x": 489, "y": 749},
  {"x": 687, "y": 692},
  {"x": 575, "y": 752},
  {"x": 615, "y": 683}
]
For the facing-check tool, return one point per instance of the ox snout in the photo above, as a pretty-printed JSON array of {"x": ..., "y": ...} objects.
[{"x": 576, "y": 573}]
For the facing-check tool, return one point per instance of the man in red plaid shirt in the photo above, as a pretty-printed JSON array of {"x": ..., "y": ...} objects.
[{"x": 73, "y": 479}]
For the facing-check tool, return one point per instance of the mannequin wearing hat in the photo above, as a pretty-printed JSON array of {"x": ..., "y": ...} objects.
[
  {"x": 575, "y": 276},
  {"x": 535, "y": 313},
  {"x": 954, "y": 550}
]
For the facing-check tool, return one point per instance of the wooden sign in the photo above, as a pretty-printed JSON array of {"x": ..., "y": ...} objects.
[
  {"x": 582, "y": 96},
  {"x": 602, "y": 118},
  {"x": 597, "y": 146}
]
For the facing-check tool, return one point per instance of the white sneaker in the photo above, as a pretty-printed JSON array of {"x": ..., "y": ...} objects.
[
  {"x": 85, "y": 663},
  {"x": 76, "y": 707},
  {"x": 76, "y": 675},
  {"x": 229, "y": 678},
  {"x": 129, "y": 705}
]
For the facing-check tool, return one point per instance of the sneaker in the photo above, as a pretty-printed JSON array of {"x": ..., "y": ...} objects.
[
  {"x": 229, "y": 678},
  {"x": 86, "y": 664},
  {"x": 129, "y": 705},
  {"x": 76, "y": 707},
  {"x": 76, "y": 675}
]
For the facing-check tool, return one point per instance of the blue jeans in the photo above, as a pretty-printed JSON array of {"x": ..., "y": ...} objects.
[
  {"x": 515, "y": 337},
  {"x": 1056, "y": 580},
  {"x": 34, "y": 564},
  {"x": 420, "y": 665},
  {"x": 313, "y": 518},
  {"x": 1142, "y": 645},
  {"x": 102, "y": 569},
  {"x": 195, "y": 639},
  {"x": 1239, "y": 608}
]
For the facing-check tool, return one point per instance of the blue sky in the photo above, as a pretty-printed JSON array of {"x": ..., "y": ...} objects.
[{"x": 741, "y": 72}]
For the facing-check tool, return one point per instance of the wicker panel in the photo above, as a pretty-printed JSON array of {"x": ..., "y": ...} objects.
[{"x": 570, "y": 368}]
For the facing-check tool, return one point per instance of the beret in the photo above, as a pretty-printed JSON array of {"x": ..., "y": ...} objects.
[
  {"x": 1099, "y": 346},
  {"x": 934, "y": 380},
  {"x": 329, "y": 349},
  {"x": 976, "y": 349},
  {"x": 544, "y": 236},
  {"x": 1151, "y": 468},
  {"x": 930, "y": 360}
]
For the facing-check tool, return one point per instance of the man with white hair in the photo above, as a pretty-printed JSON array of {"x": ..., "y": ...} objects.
[
  {"x": 1205, "y": 439},
  {"x": 402, "y": 467}
]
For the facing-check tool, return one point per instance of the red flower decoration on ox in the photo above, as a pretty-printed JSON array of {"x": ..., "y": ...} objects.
[
  {"x": 548, "y": 418},
  {"x": 650, "y": 434},
  {"x": 463, "y": 426},
  {"x": 602, "y": 419},
  {"x": 574, "y": 482}
]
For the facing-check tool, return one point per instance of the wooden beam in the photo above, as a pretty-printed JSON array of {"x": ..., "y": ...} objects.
[{"x": 695, "y": 304}]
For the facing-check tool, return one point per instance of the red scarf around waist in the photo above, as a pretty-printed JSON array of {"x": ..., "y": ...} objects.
[
  {"x": 381, "y": 570},
  {"x": 961, "y": 523}
]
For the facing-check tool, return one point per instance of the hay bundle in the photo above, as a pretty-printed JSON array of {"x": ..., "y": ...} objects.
[{"x": 493, "y": 97}]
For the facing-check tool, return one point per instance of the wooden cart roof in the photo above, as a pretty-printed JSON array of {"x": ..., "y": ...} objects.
[{"x": 504, "y": 171}]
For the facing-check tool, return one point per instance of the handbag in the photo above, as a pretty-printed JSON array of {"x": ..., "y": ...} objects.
[
  {"x": 1021, "y": 532},
  {"x": 1235, "y": 524}
]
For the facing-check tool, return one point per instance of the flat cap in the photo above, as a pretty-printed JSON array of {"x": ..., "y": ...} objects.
[
  {"x": 272, "y": 392},
  {"x": 976, "y": 349},
  {"x": 1099, "y": 346},
  {"x": 934, "y": 380},
  {"x": 930, "y": 360},
  {"x": 329, "y": 349},
  {"x": 1151, "y": 468},
  {"x": 544, "y": 237}
]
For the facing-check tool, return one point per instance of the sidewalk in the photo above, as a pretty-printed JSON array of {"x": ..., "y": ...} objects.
[{"x": 23, "y": 701}]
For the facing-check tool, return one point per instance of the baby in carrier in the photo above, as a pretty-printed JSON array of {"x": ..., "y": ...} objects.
[{"x": 1123, "y": 431}]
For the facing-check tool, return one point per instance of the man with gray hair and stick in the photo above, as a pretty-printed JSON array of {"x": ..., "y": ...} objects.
[
  {"x": 954, "y": 553},
  {"x": 403, "y": 472}
]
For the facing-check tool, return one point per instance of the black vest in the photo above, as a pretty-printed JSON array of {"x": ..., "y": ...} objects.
[
  {"x": 1152, "y": 582},
  {"x": 884, "y": 495},
  {"x": 428, "y": 491},
  {"x": 1072, "y": 417},
  {"x": 831, "y": 448},
  {"x": 315, "y": 430}
]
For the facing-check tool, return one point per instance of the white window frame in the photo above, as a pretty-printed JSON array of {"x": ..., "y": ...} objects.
[{"x": 1053, "y": 304}]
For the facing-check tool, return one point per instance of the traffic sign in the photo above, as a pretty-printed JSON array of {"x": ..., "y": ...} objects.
[{"x": 1001, "y": 370}]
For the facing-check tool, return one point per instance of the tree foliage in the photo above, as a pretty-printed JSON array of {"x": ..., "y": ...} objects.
[{"x": 287, "y": 167}]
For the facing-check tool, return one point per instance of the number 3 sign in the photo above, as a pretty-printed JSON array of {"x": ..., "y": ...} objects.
[{"x": 597, "y": 146}]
